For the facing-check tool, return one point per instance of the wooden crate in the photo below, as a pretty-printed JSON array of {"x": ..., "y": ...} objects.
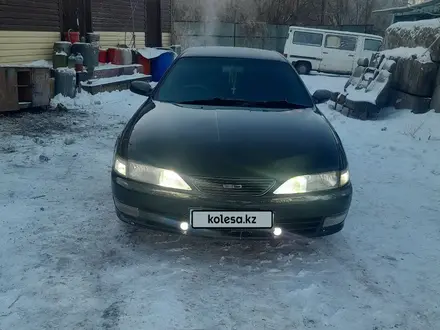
[{"x": 24, "y": 87}]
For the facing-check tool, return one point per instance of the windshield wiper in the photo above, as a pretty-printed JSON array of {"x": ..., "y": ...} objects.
[{"x": 244, "y": 103}]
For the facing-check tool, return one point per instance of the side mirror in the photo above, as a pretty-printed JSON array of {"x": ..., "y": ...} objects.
[
  {"x": 321, "y": 96},
  {"x": 141, "y": 88}
]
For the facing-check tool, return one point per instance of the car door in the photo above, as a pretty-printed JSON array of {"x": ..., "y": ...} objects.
[
  {"x": 339, "y": 53},
  {"x": 306, "y": 46}
]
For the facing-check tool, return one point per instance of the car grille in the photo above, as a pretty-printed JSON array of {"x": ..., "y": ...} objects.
[{"x": 233, "y": 186}]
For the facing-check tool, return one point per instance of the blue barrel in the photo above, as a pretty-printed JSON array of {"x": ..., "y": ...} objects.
[{"x": 160, "y": 65}]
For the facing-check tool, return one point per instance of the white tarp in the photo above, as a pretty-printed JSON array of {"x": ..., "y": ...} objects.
[{"x": 150, "y": 53}]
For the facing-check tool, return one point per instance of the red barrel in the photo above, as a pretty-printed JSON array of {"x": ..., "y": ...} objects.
[
  {"x": 72, "y": 36},
  {"x": 145, "y": 62},
  {"x": 102, "y": 56},
  {"x": 114, "y": 56}
]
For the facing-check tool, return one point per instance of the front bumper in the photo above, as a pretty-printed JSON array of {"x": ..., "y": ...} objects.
[{"x": 311, "y": 215}]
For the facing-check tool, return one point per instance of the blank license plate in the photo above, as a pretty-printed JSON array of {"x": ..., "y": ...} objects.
[{"x": 231, "y": 219}]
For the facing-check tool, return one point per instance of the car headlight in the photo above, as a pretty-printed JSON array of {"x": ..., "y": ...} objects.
[
  {"x": 150, "y": 174},
  {"x": 312, "y": 183},
  {"x": 345, "y": 178},
  {"x": 120, "y": 166}
]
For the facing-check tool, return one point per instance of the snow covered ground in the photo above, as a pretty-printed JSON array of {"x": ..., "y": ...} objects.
[{"x": 66, "y": 262}]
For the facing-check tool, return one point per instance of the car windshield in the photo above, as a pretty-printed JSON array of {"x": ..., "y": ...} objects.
[{"x": 233, "y": 82}]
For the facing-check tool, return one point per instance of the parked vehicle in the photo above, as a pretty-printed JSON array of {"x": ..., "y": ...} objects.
[
  {"x": 328, "y": 50},
  {"x": 231, "y": 144}
]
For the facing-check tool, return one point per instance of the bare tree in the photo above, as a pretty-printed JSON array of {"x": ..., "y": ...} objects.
[{"x": 289, "y": 12}]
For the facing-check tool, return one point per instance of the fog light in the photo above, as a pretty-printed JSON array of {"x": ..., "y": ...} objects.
[
  {"x": 277, "y": 231},
  {"x": 335, "y": 220},
  {"x": 184, "y": 226}
]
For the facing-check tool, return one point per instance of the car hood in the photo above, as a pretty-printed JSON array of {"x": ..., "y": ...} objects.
[{"x": 232, "y": 142}]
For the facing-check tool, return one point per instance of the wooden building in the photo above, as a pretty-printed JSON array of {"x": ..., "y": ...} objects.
[{"x": 28, "y": 28}]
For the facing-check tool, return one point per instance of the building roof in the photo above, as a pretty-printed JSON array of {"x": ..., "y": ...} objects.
[
  {"x": 234, "y": 52},
  {"x": 408, "y": 9}
]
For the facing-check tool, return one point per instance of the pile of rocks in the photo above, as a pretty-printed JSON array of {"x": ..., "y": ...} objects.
[{"x": 415, "y": 46}]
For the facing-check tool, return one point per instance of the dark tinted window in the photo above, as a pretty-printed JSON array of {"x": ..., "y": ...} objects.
[
  {"x": 340, "y": 42},
  {"x": 201, "y": 78},
  {"x": 307, "y": 38},
  {"x": 372, "y": 44}
]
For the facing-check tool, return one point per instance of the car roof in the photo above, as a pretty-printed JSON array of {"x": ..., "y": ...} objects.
[{"x": 233, "y": 52}]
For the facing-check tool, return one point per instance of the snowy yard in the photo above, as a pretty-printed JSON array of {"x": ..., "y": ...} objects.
[{"x": 67, "y": 263}]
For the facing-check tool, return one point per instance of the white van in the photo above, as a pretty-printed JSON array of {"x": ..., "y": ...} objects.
[{"x": 328, "y": 50}]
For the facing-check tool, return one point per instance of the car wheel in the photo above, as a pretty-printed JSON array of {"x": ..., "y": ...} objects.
[{"x": 303, "y": 68}]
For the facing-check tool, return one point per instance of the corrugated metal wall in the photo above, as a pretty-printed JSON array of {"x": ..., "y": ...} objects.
[
  {"x": 115, "y": 20},
  {"x": 36, "y": 24},
  {"x": 28, "y": 29},
  {"x": 165, "y": 13},
  {"x": 118, "y": 15},
  {"x": 30, "y": 15},
  {"x": 74, "y": 12},
  {"x": 165, "y": 22},
  {"x": 107, "y": 15}
]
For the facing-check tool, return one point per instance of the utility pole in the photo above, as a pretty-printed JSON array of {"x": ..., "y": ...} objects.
[
  {"x": 323, "y": 8},
  {"x": 132, "y": 21},
  {"x": 234, "y": 4}
]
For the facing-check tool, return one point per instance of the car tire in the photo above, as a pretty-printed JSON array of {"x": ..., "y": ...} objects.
[{"x": 303, "y": 68}]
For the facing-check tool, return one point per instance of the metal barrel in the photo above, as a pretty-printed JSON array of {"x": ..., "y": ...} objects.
[
  {"x": 65, "y": 82},
  {"x": 62, "y": 46}
]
